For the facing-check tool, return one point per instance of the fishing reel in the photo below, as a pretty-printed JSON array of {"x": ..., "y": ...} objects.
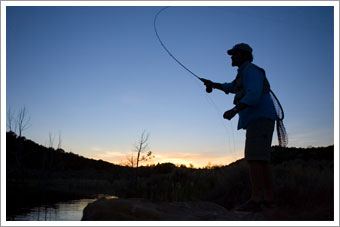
[{"x": 208, "y": 89}]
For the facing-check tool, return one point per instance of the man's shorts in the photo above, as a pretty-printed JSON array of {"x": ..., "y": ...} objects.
[{"x": 259, "y": 134}]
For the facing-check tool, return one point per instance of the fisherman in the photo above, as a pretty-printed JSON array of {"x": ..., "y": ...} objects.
[{"x": 257, "y": 116}]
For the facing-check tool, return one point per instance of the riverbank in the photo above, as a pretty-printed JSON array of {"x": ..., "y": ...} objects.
[
  {"x": 71, "y": 210},
  {"x": 23, "y": 195}
]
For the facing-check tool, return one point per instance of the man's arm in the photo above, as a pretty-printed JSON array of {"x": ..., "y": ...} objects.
[
  {"x": 252, "y": 85},
  {"x": 226, "y": 87},
  {"x": 217, "y": 86},
  {"x": 232, "y": 112}
]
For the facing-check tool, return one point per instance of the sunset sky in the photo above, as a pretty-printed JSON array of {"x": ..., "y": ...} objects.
[{"x": 99, "y": 77}]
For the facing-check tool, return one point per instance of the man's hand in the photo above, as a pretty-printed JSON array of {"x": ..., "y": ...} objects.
[
  {"x": 229, "y": 114},
  {"x": 206, "y": 82},
  {"x": 209, "y": 85}
]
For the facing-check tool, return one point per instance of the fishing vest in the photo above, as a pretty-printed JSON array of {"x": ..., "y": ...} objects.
[{"x": 238, "y": 84}]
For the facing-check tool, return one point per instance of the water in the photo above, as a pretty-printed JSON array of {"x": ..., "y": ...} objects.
[{"x": 64, "y": 211}]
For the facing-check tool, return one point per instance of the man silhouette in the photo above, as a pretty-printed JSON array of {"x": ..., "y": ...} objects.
[{"x": 257, "y": 116}]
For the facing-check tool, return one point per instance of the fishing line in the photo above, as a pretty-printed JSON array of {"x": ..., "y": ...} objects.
[
  {"x": 166, "y": 49},
  {"x": 192, "y": 73}
]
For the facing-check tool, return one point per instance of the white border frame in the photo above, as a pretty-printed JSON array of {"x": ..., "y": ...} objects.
[{"x": 335, "y": 4}]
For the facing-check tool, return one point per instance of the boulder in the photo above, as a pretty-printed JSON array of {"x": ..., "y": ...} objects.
[{"x": 144, "y": 210}]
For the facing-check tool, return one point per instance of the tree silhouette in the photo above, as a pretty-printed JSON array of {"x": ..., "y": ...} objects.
[
  {"x": 10, "y": 120},
  {"x": 131, "y": 161},
  {"x": 51, "y": 139},
  {"x": 141, "y": 147},
  {"x": 22, "y": 121},
  {"x": 59, "y": 141}
]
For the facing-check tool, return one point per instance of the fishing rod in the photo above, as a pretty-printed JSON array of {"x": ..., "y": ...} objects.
[
  {"x": 208, "y": 88},
  {"x": 281, "y": 131}
]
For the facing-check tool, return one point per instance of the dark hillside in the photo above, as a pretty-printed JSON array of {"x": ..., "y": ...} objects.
[
  {"x": 303, "y": 180},
  {"x": 26, "y": 158},
  {"x": 37, "y": 174}
]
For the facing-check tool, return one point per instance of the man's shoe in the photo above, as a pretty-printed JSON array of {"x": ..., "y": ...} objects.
[{"x": 250, "y": 206}]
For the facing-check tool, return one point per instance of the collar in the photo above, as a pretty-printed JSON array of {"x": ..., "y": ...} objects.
[{"x": 244, "y": 64}]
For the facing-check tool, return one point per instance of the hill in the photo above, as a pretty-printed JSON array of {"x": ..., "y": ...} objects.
[{"x": 303, "y": 179}]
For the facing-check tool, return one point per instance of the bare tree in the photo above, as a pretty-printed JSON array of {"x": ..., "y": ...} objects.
[
  {"x": 131, "y": 160},
  {"x": 23, "y": 120},
  {"x": 51, "y": 139},
  {"x": 140, "y": 147},
  {"x": 10, "y": 120},
  {"x": 59, "y": 141}
]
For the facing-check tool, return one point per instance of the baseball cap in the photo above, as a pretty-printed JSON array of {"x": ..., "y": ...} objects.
[{"x": 240, "y": 46}]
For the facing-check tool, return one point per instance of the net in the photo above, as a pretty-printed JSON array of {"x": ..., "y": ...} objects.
[{"x": 280, "y": 128}]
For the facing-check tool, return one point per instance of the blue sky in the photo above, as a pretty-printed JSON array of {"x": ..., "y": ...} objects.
[{"x": 99, "y": 76}]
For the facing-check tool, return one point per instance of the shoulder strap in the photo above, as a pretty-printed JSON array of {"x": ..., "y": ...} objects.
[{"x": 266, "y": 84}]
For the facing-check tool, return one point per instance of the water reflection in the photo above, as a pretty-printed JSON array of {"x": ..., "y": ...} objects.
[{"x": 64, "y": 211}]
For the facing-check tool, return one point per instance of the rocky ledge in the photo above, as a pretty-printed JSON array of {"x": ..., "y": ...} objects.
[{"x": 145, "y": 210}]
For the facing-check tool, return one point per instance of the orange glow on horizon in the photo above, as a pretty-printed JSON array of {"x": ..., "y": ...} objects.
[
  {"x": 196, "y": 160},
  {"x": 196, "y": 163}
]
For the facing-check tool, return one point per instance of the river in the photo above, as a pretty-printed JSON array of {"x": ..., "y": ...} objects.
[{"x": 63, "y": 211}]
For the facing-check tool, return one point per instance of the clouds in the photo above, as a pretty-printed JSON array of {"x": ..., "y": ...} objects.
[
  {"x": 197, "y": 159},
  {"x": 113, "y": 155}
]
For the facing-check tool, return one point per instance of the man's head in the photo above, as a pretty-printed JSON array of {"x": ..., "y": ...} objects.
[{"x": 240, "y": 53}]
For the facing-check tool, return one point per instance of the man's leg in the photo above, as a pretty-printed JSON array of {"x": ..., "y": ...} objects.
[
  {"x": 261, "y": 178},
  {"x": 254, "y": 204},
  {"x": 267, "y": 183},
  {"x": 257, "y": 151},
  {"x": 255, "y": 170}
]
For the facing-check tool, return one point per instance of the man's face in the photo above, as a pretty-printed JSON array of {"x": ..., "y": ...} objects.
[{"x": 237, "y": 59}]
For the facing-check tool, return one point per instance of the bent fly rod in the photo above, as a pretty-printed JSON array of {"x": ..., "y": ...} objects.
[
  {"x": 281, "y": 131},
  {"x": 208, "y": 88}
]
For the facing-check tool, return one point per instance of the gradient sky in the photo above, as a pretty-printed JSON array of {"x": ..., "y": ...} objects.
[{"x": 99, "y": 76}]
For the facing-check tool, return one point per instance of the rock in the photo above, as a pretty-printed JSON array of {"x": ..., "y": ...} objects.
[{"x": 145, "y": 210}]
